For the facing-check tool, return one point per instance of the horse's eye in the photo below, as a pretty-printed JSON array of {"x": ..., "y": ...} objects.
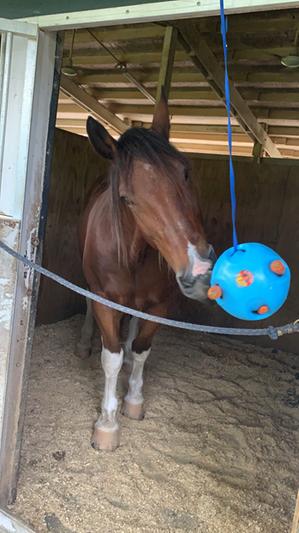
[{"x": 186, "y": 174}]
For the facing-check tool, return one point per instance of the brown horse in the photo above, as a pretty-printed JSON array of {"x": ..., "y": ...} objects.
[{"x": 140, "y": 237}]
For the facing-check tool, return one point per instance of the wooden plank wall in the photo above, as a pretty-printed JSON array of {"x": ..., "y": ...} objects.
[
  {"x": 75, "y": 168},
  {"x": 268, "y": 199}
]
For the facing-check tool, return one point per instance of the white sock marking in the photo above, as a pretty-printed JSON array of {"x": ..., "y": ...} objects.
[
  {"x": 136, "y": 378},
  {"x": 111, "y": 363}
]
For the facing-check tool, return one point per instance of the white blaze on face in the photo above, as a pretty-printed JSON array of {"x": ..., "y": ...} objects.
[{"x": 198, "y": 265}]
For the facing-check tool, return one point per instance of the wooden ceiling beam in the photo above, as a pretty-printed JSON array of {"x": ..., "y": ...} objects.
[
  {"x": 201, "y": 128},
  {"x": 143, "y": 75},
  {"x": 283, "y": 135},
  {"x": 213, "y": 149},
  {"x": 253, "y": 23},
  {"x": 254, "y": 61},
  {"x": 259, "y": 52},
  {"x": 260, "y": 114},
  {"x": 204, "y": 58},
  {"x": 64, "y": 122},
  {"x": 203, "y": 119},
  {"x": 116, "y": 33},
  {"x": 269, "y": 96},
  {"x": 254, "y": 98},
  {"x": 268, "y": 85},
  {"x": 139, "y": 58},
  {"x": 94, "y": 56},
  {"x": 128, "y": 110},
  {"x": 81, "y": 132},
  {"x": 91, "y": 105},
  {"x": 192, "y": 95},
  {"x": 184, "y": 93},
  {"x": 286, "y": 131},
  {"x": 188, "y": 77},
  {"x": 105, "y": 83},
  {"x": 129, "y": 47}
]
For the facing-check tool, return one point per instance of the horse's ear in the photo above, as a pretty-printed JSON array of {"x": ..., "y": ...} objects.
[
  {"x": 161, "y": 122},
  {"x": 100, "y": 139}
]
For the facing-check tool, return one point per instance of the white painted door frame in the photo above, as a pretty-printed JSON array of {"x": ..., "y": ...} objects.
[{"x": 27, "y": 76}]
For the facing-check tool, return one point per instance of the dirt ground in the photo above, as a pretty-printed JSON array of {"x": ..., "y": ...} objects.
[{"x": 217, "y": 451}]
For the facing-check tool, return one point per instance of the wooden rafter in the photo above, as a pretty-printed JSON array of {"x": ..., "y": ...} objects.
[
  {"x": 197, "y": 109},
  {"x": 91, "y": 105},
  {"x": 204, "y": 59},
  {"x": 118, "y": 33}
]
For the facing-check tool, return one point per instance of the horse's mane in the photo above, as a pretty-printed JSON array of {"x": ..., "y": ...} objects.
[{"x": 143, "y": 145}]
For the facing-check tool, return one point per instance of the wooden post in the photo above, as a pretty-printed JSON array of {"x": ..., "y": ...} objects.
[
  {"x": 28, "y": 131},
  {"x": 295, "y": 524},
  {"x": 167, "y": 60},
  {"x": 258, "y": 149}
]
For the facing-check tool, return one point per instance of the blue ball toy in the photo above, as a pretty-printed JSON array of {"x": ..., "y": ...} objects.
[{"x": 251, "y": 282}]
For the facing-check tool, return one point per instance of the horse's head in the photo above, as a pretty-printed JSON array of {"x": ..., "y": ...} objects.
[{"x": 152, "y": 178}]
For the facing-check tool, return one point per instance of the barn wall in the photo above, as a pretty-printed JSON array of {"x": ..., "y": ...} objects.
[
  {"x": 75, "y": 168},
  {"x": 268, "y": 195}
]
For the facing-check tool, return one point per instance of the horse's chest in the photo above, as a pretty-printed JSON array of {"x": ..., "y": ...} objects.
[{"x": 153, "y": 281}]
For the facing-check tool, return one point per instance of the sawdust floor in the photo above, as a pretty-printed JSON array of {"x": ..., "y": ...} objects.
[{"x": 217, "y": 451}]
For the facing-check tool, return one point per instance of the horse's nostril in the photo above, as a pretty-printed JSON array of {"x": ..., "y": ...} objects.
[{"x": 187, "y": 282}]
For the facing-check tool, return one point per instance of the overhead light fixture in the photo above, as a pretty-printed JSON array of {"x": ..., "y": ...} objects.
[
  {"x": 290, "y": 61},
  {"x": 67, "y": 66},
  {"x": 68, "y": 70}
]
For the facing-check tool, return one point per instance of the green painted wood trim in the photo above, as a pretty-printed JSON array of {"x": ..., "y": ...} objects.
[{"x": 19, "y": 8}]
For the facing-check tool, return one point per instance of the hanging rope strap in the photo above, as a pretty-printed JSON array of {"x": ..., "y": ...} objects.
[
  {"x": 271, "y": 331},
  {"x": 229, "y": 126}
]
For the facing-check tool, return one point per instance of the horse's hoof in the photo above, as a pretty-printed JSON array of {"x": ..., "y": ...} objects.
[
  {"x": 83, "y": 352},
  {"x": 105, "y": 440},
  {"x": 133, "y": 410}
]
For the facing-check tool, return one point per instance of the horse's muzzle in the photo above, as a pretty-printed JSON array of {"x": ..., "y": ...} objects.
[
  {"x": 195, "y": 287},
  {"x": 195, "y": 281}
]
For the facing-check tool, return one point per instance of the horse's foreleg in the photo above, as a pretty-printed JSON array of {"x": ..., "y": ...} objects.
[
  {"x": 106, "y": 434},
  {"x": 133, "y": 402},
  {"x": 141, "y": 347},
  {"x": 84, "y": 345},
  {"x": 132, "y": 334}
]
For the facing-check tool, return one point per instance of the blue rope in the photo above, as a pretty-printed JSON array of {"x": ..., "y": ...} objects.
[{"x": 229, "y": 127}]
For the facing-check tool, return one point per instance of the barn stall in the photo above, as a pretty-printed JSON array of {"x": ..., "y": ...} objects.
[{"x": 217, "y": 449}]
